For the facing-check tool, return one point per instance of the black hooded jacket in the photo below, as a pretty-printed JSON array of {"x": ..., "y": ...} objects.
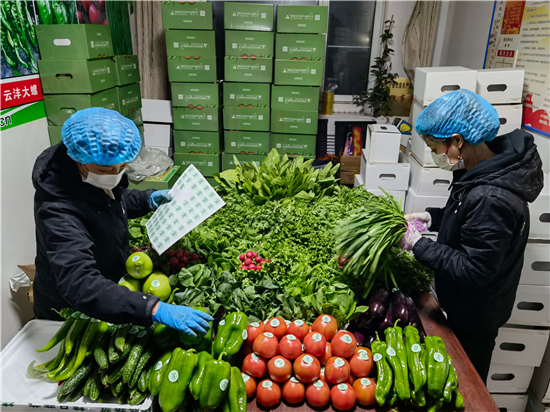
[
  {"x": 82, "y": 243},
  {"x": 483, "y": 230}
]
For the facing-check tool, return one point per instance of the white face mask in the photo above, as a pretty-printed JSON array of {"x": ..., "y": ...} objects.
[
  {"x": 442, "y": 161},
  {"x": 108, "y": 182}
]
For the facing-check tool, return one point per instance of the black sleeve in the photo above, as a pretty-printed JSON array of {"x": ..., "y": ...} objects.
[
  {"x": 71, "y": 258},
  {"x": 484, "y": 239},
  {"x": 436, "y": 214},
  {"x": 137, "y": 202}
]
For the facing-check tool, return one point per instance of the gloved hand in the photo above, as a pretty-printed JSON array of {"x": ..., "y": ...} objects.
[
  {"x": 159, "y": 197},
  {"x": 411, "y": 237},
  {"x": 189, "y": 321},
  {"x": 424, "y": 217}
]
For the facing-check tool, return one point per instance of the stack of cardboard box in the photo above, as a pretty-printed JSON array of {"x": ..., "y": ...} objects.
[
  {"x": 78, "y": 71},
  {"x": 299, "y": 56},
  {"x": 193, "y": 69},
  {"x": 248, "y": 65}
]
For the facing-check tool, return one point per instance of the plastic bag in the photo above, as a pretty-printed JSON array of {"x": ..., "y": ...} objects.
[{"x": 150, "y": 162}]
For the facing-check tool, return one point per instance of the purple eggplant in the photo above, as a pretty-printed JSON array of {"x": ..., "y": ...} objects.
[
  {"x": 364, "y": 321},
  {"x": 369, "y": 337},
  {"x": 359, "y": 338},
  {"x": 399, "y": 300},
  {"x": 379, "y": 302},
  {"x": 414, "y": 319},
  {"x": 389, "y": 318}
]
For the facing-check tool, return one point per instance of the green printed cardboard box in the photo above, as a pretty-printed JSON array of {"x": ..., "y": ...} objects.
[
  {"x": 126, "y": 70},
  {"x": 247, "y": 142},
  {"x": 55, "y": 134},
  {"x": 246, "y": 94},
  {"x": 298, "y": 72},
  {"x": 294, "y": 98},
  {"x": 248, "y": 16},
  {"x": 165, "y": 181},
  {"x": 294, "y": 144},
  {"x": 74, "y": 41},
  {"x": 187, "y": 15},
  {"x": 191, "y": 43},
  {"x": 228, "y": 161},
  {"x": 129, "y": 98},
  {"x": 249, "y": 43},
  {"x": 246, "y": 118},
  {"x": 207, "y": 164},
  {"x": 302, "y": 19},
  {"x": 200, "y": 95},
  {"x": 258, "y": 70},
  {"x": 136, "y": 117},
  {"x": 76, "y": 76},
  {"x": 208, "y": 120},
  {"x": 300, "y": 46},
  {"x": 294, "y": 122},
  {"x": 193, "y": 141},
  {"x": 202, "y": 70}
]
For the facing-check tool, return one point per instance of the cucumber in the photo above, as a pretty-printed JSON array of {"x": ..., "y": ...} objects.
[
  {"x": 87, "y": 385},
  {"x": 119, "y": 387},
  {"x": 138, "y": 398},
  {"x": 121, "y": 334},
  {"x": 113, "y": 353},
  {"x": 77, "y": 393},
  {"x": 144, "y": 379},
  {"x": 145, "y": 357},
  {"x": 104, "y": 378},
  {"x": 95, "y": 388},
  {"x": 77, "y": 378},
  {"x": 116, "y": 374},
  {"x": 100, "y": 353},
  {"x": 128, "y": 345}
]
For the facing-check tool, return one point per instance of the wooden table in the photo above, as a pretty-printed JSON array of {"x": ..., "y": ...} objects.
[{"x": 476, "y": 397}]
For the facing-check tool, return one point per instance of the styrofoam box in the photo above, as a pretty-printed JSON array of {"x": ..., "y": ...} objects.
[
  {"x": 158, "y": 111},
  {"x": 383, "y": 141},
  {"x": 431, "y": 83},
  {"x": 157, "y": 134},
  {"x": 500, "y": 86},
  {"x": 536, "y": 265},
  {"x": 509, "y": 116},
  {"x": 531, "y": 307},
  {"x": 168, "y": 150},
  {"x": 388, "y": 176},
  {"x": 509, "y": 378},
  {"x": 520, "y": 346},
  {"x": 417, "y": 109},
  {"x": 419, "y": 203},
  {"x": 28, "y": 394},
  {"x": 358, "y": 181},
  {"x": 510, "y": 403},
  {"x": 540, "y": 384},
  {"x": 429, "y": 181},
  {"x": 539, "y": 211},
  {"x": 421, "y": 151}
]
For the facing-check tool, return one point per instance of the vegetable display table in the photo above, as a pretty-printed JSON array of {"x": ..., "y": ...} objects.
[{"x": 476, "y": 396}]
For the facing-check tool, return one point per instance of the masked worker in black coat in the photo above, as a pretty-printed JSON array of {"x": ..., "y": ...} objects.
[
  {"x": 82, "y": 206},
  {"x": 484, "y": 227}
]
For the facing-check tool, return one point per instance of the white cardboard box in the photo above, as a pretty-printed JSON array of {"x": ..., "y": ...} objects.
[
  {"x": 157, "y": 135},
  {"x": 431, "y": 181},
  {"x": 421, "y": 151},
  {"x": 417, "y": 109},
  {"x": 389, "y": 176},
  {"x": 509, "y": 116},
  {"x": 158, "y": 111},
  {"x": 532, "y": 306},
  {"x": 358, "y": 181},
  {"x": 500, "y": 86},
  {"x": 433, "y": 82},
  {"x": 419, "y": 203},
  {"x": 383, "y": 141},
  {"x": 540, "y": 384},
  {"x": 510, "y": 403},
  {"x": 540, "y": 213},
  {"x": 509, "y": 378},
  {"x": 520, "y": 346},
  {"x": 536, "y": 265}
]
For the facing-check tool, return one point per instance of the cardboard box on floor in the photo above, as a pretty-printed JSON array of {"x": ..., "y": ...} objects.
[
  {"x": 205, "y": 95},
  {"x": 300, "y": 46},
  {"x": 193, "y": 43},
  {"x": 302, "y": 19},
  {"x": 76, "y": 76},
  {"x": 74, "y": 41},
  {"x": 246, "y": 118},
  {"x": 207, "y": 164},
  {"x": 293, "y": 144},
  {"x": 298, "y": 72},
  {"x": 259, "y": 70},
  {"x": 126, "y": 70},
  {"x": 129, "y": 98},
  {"x": 246, "y": 142},
  {"x": 246, "y": 94},
  {"x": 193, "y": 141},
  {"x": 249, "y": 43},
  {"x": 208, "y": 120},
  {"x": 203, "y": 70}
]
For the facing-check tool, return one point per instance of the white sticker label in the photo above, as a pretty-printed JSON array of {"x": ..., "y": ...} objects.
[
  {"x": 318, "y": 383},
  {"x": 308, "y": 359},
  {"x": 255, "y": 324},
  {"x": 255, "y": 356},
  {"x": 155, "y": 283},
  {"x": 135, "y": 258},
  {"x": 339, "y": 362},
  {"x": 326, "y": 319},
  {"x": 84, "y": 317},
  {"x": 293, "y": 379},
  {"x": 377, "y": 357},
  {"x": 142, "y": 334},
  {"x": 121, "y": 281},
  {"x": 317, "y": 337},
  {"x": 245, "y": 377},
  {"x": 274, "y": 323},
  {"x": 173, "y": 376},
  {"x": 439, "y": 357},
  {"x": 416, "y": 348},
  {"x": 279, "y": 363},
  {"x": 95, "y": 320},
  {"x": 245, "y": 334},
  {"x": 298, "y": 322},
  {"x": 342, "y": 386},
  {"x": 265, "y": 321},
  {"x": 291, "y": 337},
  {"x": 222, "y": 322},
  {"x": 268, "y": 334},
  {"x": 391, "y": 352},
  {"x": 267, "y": 384},
  {"x": 363, "y": 354},
  {"x": 223, "y": 384},
  {"x": 303, "y": 347},
  {"x": 365, "y": 382},
  {"x": 287, "y": 322},
  {"x": 347, "y": 339},
  {"x": 158, "y": 365},
  {"x": 76, "y": 314}
]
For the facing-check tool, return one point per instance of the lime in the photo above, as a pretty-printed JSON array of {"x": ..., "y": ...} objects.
[
  {"x": 139, "y": 265},
  {"x": 133, "y": 284},
  {"x": 157, "y": 285}
]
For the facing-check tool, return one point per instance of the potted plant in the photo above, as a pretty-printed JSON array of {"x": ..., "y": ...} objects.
[{"x": 378, "y": 98}]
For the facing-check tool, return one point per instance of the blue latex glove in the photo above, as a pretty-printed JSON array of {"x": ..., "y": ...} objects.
[
  {"x": 159, "y": 197},
  {"x": 189, "y": 321}
]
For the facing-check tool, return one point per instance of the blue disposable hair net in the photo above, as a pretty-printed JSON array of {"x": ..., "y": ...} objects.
[
  {"x": 462, "y": 112},
  {"x": 101, "y": 136}
]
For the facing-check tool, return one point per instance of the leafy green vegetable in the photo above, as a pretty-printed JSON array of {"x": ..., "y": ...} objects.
[
  {"x": 138, "y": 231},
  {"x": 412, "y": 276}
]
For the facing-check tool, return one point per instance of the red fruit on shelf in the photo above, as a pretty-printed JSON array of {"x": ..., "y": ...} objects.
[
  {"x": 254, "y": 365},
  {"x": 244, "y": 267},
  {"x": 251, "y": 267},
  {"x": 344, "y": 344},
  {"x": 343, "y": 396},
  {"x": 279, "y": 369},
  {"x": 364, "y": 391},
  {"x": 326, "y": 325},
  {"x": 249, "y": 255},
  {"x": 241, "y": 257},
  {"x": 250, "y": 384},
  {"x": 254, "y": 330},
  {"x": 194, "y": 256},
  {"x": 259, "y": 267},
  {"x": 258, "y": 259},
  {"x": 298, "y": 328},
  {"x": 307, "y": 368},
  {"x": 266, "y": 345},
  {"x": 171, "y": 253},
  {"x": 294, "y": 391},
  {"x": 290, "y": 347},
  {"x": 268, "y": 393},
  {"x": 277, "y": 326},
  {"x": 254, "y": 254},
  {"x": 361, "y": 362},
  {"x": 248, "y": 262},
  {"x": 318, "y": 394},
  {"x": 174, "y": 261},
  {"x": 315, "y": 343},
  {"x": 337, "y": 370}
]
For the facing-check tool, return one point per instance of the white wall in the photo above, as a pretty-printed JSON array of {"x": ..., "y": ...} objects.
[{"x": 401, "y": 11}]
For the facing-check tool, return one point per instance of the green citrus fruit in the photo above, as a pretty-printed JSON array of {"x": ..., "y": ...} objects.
[
  {"x": 133, "y": 284},
  {"x": 157, "y": 284},
  {"x": 139, "y": 265}
]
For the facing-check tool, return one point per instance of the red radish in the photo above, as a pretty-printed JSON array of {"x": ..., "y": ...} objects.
[
  {"x": 174, "y": 261},
  {"x": 171, "y": 253},
  {"x": 184, "y": 260},
  {"x": 299, "y": 329},
  {"x": 277, "y": 326},
  {"x": 254, "y": 254},
  {"x": 250, "y": 384},
  {"x": 251, "y": 267},
  {"x": 258, "y": 259},
  {"x": 254, "y": 365},
  {"x": 344, "y": 344},
  {"x": 315, "y": 343},
  {"x": 307, "y": 368},
  {"x": 254, "y": 329},
  {"x": 266, "y": 345},
  {"x": 248, "y": 262},
  {"x": 279, "y": 369},
  {"x": 241, "y": 257},
  {"x": 337, "y": 370},
  {"x": 244, "y": 267},
  {"x": 327, "y": 355},
  {"x": 181, "y": 265},
  {"x": 186, "y": 253},
  {"x": 259, "y": 267},
  {"x": 179, "y": 253},
  {"x": 249, "y": 255},
  {"x": 194, "y": 256},
  {"x": 290, "y": 347},
  {"x": 269, "y": 261},
  {"x": 343, "y": 396},
  {"x": 325, "y": 324},
  {"x": 318, "y": 394}
]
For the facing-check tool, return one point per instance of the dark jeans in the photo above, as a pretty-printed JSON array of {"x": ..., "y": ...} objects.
[{"x": 479, "y": 348}]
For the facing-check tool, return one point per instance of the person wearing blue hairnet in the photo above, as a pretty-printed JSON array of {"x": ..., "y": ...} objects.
[
  {"x": 81, "y": 207},
  {"x": 483, "y": 229}
]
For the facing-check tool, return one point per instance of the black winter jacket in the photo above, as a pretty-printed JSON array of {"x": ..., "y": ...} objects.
[
  {"x": 82, "y": 243},
  {"x": 483, "y": 230}
]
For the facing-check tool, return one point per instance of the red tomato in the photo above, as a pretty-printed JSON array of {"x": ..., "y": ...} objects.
[
  {"x": 250, "y": 384},
  {"x": 327, "y": 355},
  {"x": 254, "y": 365},
  {"x": 266, "y": 345},
  {"x": 337, "y": 370},
  {"x": 277, "y": 326},
  {"x": 318, "y": 394},
  {"x": 307, "y": 368},
  {"x": 254, "y": 329},
  {"x": 361, "y": 362},
  {"x": 351, "y": 379},
  {"x": 298, "y": 328},
  {"x": 343, "y": 396},
  {"x": 322, "y": 374},
  {"x": 290, "y": 347},
  {"x": 315, "y": 343},
  {"x": 325, "y": 324},
  {"x": 279, "y": 369},
  {"x": 268, "y": 393},
  {"x": 294, "y": 391},
  {"x": 364, "y": 390},
  {"x": 247, "y": 349},
  {"x": 344, "y": 344}
]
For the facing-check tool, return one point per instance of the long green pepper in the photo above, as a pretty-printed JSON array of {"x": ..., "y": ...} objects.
[
  {"x": 385, "y": 374},
  {"x": 436, "y": 365},
  {"x": 196, "y": 381},
  {"x": 452, "y": 382},
  {"x": 417, "y": 371},
  {"x": 397, "y": 357}
]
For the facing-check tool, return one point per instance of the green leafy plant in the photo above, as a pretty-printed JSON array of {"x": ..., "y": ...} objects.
[{"x": 378, "y": 97}]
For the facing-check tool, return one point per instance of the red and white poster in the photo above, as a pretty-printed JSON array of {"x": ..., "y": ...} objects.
[{"x": 520, "y": 37}]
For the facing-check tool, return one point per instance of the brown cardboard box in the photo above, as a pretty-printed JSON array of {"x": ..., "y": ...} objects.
[
  {"x": 402, "y": 95},
  {"x": 350, "y": 164},
  {"x": 347, "y": 178}
]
